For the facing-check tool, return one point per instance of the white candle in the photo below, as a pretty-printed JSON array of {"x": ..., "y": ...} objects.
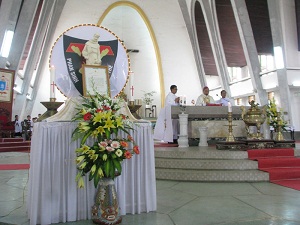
[
  {"x": 131, "y": 86},
  {"x": 52, "y": 82},
  {"x": 229, "y": 107}
]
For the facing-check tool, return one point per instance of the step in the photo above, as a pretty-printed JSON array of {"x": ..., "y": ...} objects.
[
  {"x": 264, "y": 153},
  {"x": 212, "y": 175},
  {"x": 206, "y": 164},
  {"x": 16, "y": 144},
  {"x": 283, "y": 173},
  {"x": 278, "y": 162},
  {"x": 15, "y": 149},
  {"x": 11, "y": 139},
  {"x": 196, "y": 153}
]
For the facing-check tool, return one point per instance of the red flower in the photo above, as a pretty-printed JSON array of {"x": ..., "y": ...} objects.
[
  {"x": 99, "y": 110},
  {"x": 124, "y": 144},
  {"x": 87, "y": 116},
  {"x": 127, "y": 155},
  {"x": 106, "y": 107},
  {"x": 136, "y": 149},
  {"x": 123, "y": 117},
  {"x": 130, "y": 138}
]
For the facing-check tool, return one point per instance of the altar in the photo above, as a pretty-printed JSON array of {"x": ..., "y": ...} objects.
[
  {"x": 53, "y": 195},
  {"x": 212, "y": 117}
]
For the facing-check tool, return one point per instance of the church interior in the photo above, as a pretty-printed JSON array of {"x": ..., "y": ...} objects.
[{"x": 233, "y": 165}]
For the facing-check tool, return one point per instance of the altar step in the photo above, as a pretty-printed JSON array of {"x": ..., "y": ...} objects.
[
  {"x": 206, "y": 165},
  {"x": 14, "y": 145}
]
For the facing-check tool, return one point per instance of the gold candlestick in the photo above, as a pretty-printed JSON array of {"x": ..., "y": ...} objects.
[
  {"x": 279, "y": 136},
  {"x": 230, "y": 137}
]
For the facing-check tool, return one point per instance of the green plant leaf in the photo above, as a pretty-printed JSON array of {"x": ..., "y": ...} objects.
[
  {"x": 107, "y": 168},
  {"x": 86, "y": 137},
  {"x": 96, "y": 180},
  {"x": 117, "y": 165}
]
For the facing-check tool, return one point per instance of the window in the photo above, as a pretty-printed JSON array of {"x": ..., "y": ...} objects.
[{"x": 6, "y": 44}]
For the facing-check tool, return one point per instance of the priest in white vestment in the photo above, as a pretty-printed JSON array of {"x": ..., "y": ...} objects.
[
  {"x": 166, "y": 128},
  {"x": 205, "y": 98}
]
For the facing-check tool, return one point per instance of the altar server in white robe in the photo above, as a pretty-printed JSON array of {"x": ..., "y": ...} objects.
[
  {"x": 224, "y": 101},
  {"x": 205, "y": 98},
  {"x": 166, "y": 128}
]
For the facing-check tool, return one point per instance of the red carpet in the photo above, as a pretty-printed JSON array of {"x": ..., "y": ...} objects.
[
  {"x": 14, "y": 145},
  {"x": 282, "y": 166},
  {"x": 14, "y": 166}
]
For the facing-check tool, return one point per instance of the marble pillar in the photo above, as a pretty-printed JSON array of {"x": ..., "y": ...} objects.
[
  {"x": 203, "y": 136},
  {"x": 183, "y": 140}
]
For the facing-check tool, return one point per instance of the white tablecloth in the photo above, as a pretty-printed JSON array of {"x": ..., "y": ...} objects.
[{"x": 53, "y": 195}]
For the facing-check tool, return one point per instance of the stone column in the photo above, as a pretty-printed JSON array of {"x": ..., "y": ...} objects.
[
  {"x": 203, "y": 136},
  {"x": 244, "y": 26},
  {"x": 183, "y": 140}
]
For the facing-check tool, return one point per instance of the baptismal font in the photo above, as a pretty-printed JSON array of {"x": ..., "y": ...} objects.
[{"x": 254, "y": 116}]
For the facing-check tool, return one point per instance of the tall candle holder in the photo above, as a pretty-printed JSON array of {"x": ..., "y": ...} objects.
[
  {"x": 279, "y": 136},
  {"x": 230, "y": 137},
  {"x": 52, "y": 107}
]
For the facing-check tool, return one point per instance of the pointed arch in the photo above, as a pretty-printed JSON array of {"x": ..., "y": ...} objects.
[{"x": 152, "y": 35}]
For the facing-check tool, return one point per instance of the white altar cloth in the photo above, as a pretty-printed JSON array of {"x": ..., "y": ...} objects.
[{"x": 53, "y": 195}]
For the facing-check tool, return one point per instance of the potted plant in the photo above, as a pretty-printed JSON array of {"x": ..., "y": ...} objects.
[
  {"x": 101, "y": 157},
  {"x": 147, "y": 99}
]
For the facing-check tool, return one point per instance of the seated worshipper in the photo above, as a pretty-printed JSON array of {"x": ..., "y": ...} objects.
[
  {"x": 166, "y": 128},
  {"x": 224, "y": 101},
  {"x": 205, "y": 98}
]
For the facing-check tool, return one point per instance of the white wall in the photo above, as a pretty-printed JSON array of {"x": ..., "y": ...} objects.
[{"x": 165, "y": 17}]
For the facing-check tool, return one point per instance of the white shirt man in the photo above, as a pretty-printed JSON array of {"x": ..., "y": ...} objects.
[
  {"x": 18, "y": 127},
  {"x": 224, "y": 101},
  {"x": 205, "y": 98},
  {"x": 166, "y": 128}
]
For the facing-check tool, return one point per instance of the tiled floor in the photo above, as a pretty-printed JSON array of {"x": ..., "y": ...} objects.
[{"x": 178, "y": 203}]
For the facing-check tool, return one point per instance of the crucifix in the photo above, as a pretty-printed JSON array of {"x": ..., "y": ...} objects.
[
  {"x": 132, "y": 88},
  {"x": 52, "y": 92}
]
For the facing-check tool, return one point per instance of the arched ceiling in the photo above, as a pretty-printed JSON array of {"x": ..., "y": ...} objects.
[
  {"x": 204, "y": 42},
  {"x": 260, "y": 23},
  {"x": 230, "y": 37}
]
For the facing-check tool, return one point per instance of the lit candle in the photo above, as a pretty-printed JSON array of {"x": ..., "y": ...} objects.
[
  {"x": 229, "y": 107},
  {"x": 52, "y": 82},
  {"x": 131, "y": 85}
]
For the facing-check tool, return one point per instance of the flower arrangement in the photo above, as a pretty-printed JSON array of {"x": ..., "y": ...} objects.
[
  {"x": 99, "y": 118},
  {"x": 147, "y": 99},
  {"x": 272, "y": 116}
]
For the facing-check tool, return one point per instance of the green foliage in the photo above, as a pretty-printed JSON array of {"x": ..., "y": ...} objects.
[{"x": 275, "y": 117}]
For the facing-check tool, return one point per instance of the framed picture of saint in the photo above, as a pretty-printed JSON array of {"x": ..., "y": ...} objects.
[
  {"x": 6, "y": 85},
  {"x": 95, "y": 78}
]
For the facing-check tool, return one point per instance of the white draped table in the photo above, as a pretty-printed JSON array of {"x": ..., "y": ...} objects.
[{"x": 53, "y": 195}]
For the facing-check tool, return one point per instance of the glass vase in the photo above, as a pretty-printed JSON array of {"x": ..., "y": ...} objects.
[{"x": 106, "y": 208}]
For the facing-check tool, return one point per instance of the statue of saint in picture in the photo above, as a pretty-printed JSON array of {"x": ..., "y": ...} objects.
[{"x": 91, "y": 51}]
